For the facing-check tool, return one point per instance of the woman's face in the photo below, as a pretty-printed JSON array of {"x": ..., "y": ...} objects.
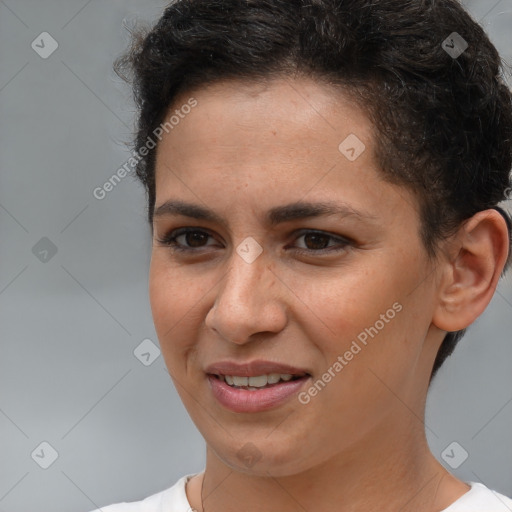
[{"x": 269, "y": 284}]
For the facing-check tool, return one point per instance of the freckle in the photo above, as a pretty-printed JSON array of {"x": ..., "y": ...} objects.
[{"x": 274, "y": 132}]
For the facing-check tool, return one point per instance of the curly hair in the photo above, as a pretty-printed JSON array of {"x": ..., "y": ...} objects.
[{"x": 442, "y": 121}]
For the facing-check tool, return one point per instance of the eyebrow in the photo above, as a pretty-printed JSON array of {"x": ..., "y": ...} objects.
[{"x": 275, "y": 216}]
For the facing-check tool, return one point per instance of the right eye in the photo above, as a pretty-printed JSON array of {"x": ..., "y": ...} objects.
[{"x": 194, "y": 237}]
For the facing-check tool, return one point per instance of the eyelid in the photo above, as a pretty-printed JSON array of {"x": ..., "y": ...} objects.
[
  {"x": 171, "y": 237},
  {"x": 169, "y": 240},
  {"x": 307, "y": 231}
]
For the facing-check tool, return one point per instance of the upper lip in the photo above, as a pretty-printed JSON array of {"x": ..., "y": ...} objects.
[{"x": 253, "y": 368}]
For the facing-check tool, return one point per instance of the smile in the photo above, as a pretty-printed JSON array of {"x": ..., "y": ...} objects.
[
  {"x": 257, "y": 393},
  {"x": 257, "y": 382}
]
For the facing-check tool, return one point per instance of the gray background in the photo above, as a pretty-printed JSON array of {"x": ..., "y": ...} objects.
[{"x": 70, "y": 323}]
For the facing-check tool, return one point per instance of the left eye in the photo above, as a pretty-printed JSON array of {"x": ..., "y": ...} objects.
[
  {"x": 192, "y": 239},
  {"x": 319, "y": 241}
]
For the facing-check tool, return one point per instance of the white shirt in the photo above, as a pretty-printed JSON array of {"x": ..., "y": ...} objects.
[{"x": 478, "y": 499}]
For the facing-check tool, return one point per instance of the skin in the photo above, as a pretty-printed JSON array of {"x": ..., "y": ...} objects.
[{"x": 360, "y": 443}]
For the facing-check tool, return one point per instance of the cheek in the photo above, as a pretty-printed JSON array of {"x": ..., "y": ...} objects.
[
  {"x": 364, "y": 355},
  {"x": 160, "y": 293},
  {"x": 169, "y": 297},
  {"x": 343, "y": 305},
  {"x": 178, "y": 300},
  {"x": 369, "y": 317}
]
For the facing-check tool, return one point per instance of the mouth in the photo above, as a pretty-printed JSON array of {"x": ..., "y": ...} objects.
[
  {"x": 256, "y": 386},
  {"x": 257, "y": 382}
]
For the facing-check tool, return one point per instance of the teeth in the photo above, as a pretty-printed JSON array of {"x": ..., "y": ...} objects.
[
  {"x": 240, "y": 381},
  {"x": 273, "y": 378},
  {"x": 258, "y": 382},
  {"x": 254, "y": 383}
]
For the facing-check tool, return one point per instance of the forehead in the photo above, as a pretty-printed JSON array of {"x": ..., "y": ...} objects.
[
  {"x": 263, "y": 145},
  {"x": 287, "y": 119}
]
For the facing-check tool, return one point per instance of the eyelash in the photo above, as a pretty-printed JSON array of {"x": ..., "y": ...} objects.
[{"x": 170, "y": 241}]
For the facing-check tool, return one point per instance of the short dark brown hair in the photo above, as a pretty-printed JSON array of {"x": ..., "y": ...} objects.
[{"x": 443, "y": 121}]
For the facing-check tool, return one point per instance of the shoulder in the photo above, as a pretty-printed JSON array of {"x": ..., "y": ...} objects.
[
  {"x": 175, "y": 497},
  {"x": 480, "y": 498}
]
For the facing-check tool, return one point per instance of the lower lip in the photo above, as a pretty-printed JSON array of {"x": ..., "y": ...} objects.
[{"x": 244, "y": 400}]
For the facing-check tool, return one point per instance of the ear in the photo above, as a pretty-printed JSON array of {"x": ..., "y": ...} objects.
[{"x": 470, "y": 276}]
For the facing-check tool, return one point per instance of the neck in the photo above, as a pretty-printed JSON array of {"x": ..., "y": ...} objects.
[{"x": 387, "y": 470}]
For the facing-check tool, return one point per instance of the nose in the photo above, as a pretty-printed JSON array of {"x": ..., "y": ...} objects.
[{"x": 248, "y": 302}]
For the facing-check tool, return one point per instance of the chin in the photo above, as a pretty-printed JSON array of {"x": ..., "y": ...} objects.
[{"x": 264, "y": 458}]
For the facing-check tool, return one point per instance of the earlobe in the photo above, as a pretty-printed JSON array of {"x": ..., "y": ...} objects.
[{"x": 471, "y": 277}]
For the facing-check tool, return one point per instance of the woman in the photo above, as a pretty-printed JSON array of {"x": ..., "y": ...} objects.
[{"x": 323, "y": 184}]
